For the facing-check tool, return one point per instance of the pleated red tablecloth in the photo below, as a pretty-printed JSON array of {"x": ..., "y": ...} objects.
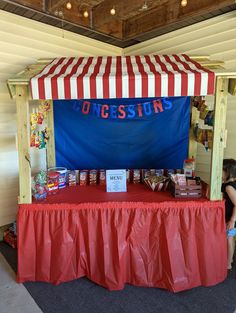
[{"x": 140, "y": 237}]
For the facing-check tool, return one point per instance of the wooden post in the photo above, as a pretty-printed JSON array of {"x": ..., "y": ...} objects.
[
  {"x": 192, "y": 148},
  {"x": 218, "y": 137},
  {"x": 51, "y": 159},
  {"x": 23, "y": 143}
]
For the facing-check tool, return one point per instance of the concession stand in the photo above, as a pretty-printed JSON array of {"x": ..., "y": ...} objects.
[{"x": 139, "y": 237}]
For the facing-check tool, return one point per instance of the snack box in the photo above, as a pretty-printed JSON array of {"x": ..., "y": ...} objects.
[
  {"x": 102, "y": 177},
  {"x": 83, "y": 177},
  {"x": 93, "y": 177}
]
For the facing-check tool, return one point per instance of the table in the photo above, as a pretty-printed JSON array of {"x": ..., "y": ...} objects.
[{"x": 141, "y": 237}]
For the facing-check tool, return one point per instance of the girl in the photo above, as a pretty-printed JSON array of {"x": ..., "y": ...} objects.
[{"x": 229, "y": 194}]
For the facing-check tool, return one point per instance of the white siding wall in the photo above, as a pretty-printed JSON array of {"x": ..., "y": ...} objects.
[
  {"x": 216, "y": 38},
  {"x": 230, "y": 151},
  {"x": 22, "y": 42}
]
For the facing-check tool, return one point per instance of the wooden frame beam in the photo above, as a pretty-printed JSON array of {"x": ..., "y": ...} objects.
[
  {"x": 23, "y": 143},
  {"x": 218, "y": 137}
]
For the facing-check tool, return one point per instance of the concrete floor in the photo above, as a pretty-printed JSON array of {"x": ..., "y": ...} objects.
[{"x": 14, "y": 298}]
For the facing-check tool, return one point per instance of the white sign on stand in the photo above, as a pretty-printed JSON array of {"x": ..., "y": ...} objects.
[{"x": 116, "y": 180}]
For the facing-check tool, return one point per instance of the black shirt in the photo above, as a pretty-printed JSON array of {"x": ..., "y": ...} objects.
[{"x": 228, "y": 203}]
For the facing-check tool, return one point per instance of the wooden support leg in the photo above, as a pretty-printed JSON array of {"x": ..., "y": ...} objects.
[
  {"x": 218, "y": 138},
  {"x": 23, "y": 141}
]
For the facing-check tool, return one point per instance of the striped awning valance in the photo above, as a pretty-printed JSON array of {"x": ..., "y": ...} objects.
[{"x": 122, "y": 77}]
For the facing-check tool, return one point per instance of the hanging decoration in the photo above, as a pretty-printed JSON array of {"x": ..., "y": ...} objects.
[
  {"x": 203, "y": 136},
  {"x": 205, "y": 114},
  {"x": 39, "y": 133}
]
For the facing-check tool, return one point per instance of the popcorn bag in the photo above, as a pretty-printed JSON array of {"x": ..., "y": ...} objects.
[{"x": 156, "y": 183}]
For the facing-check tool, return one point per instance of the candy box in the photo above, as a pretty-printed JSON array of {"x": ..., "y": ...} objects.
[
  {"x": 102, "y": 177},
  {"x": 53, "y": 182},
  {"x": 93, "y": 177},
  {"x": 72, "y": 178},
  {"x": 136, "y": 176},
  {"x": 83, "y": 177}
]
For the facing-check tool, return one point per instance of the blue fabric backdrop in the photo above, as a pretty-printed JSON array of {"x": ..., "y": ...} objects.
[{"x": 86, "y": 141}]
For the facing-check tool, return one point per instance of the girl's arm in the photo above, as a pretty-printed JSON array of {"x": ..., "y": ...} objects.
[{"x": 232, "y": 195}]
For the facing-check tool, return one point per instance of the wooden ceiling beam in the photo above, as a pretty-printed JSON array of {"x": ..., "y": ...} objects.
[
  {"x": 170, "y": 13},
  {"x": 56, "y": 4},
  {"x": 104, "y": 22},
  {"x": 37, "y": 4}
]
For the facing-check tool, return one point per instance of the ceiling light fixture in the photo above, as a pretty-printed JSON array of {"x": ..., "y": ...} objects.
[
  {"x": 144, "y": 6},
  {"x": 59, "y": 13},
  {"x": 184, "y": 3},
  {"x": 68, "y": 5},
  {"x": 86, "y": 14},
  {"x": 113, "y": 11}
]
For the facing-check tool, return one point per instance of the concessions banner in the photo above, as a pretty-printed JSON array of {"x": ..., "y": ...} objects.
[
  {"x": 122, "y": 111},
  {"x": 122, "y": 133}
]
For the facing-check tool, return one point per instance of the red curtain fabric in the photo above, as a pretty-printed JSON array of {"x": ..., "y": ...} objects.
[{"x": 176, "y": 245}]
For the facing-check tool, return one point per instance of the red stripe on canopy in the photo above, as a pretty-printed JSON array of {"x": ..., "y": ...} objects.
[
  {"x": 114, "y": 77},
  {"x": 106, "y": 85}
]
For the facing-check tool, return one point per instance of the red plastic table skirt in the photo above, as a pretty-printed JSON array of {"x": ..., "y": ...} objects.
[{"x": 176, "y": 245}]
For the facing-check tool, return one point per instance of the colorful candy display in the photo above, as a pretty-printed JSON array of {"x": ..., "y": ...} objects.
[
  {"x": 39, "y": 186},
  {"x": 39, "y": 133}
]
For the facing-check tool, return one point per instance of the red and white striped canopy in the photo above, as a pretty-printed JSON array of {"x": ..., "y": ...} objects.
[{"x": 122, "y": 77}]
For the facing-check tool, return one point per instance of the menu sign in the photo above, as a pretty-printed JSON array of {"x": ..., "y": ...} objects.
[{"x": 116, "y": 181}]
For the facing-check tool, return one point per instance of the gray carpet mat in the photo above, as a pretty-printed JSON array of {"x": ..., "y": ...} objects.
[{"x": 83, "y": 296}]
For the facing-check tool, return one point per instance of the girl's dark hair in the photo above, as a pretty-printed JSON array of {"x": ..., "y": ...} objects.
[{"x": 229, "y": 167}]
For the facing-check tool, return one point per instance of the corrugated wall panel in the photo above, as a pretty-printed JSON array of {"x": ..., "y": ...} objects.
[{"x": 22, "y": 42}]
